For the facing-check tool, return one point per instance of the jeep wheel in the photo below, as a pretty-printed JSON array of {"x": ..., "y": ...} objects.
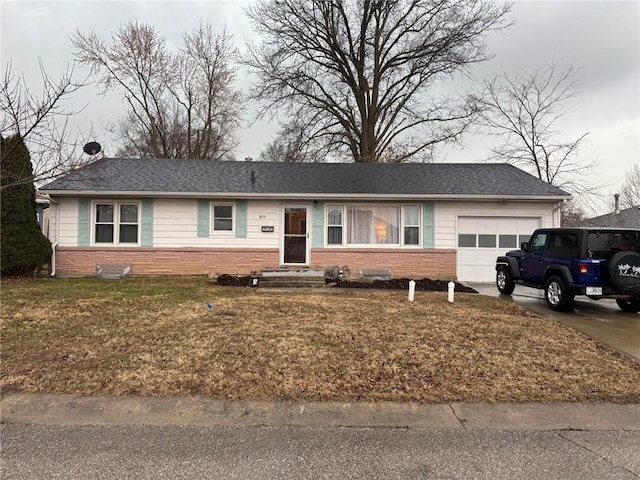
[
  {"x": 557, "y": 294},
  {"x": 629, "y": 305},
  {"x": 504, "y": 282},
  {"x": 624, "y": 272}
]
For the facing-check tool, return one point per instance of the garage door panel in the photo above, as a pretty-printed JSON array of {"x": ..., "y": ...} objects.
[{"x": 494, "y": 236}]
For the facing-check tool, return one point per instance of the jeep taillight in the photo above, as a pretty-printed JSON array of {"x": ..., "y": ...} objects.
[{"x": 583, "y": 269}]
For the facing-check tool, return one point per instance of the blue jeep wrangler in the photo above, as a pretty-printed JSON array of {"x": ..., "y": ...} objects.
[{"x": 565, "y": 262}]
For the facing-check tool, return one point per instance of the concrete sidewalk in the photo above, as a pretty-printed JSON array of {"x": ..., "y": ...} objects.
[{"x": 49, "y": 409}]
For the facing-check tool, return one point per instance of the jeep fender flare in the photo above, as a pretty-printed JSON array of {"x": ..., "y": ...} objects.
[
  {"x": 560, "y": 270},
  {"x": 512, "y": 264}
]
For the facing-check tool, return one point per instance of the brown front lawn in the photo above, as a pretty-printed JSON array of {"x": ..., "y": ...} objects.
[{"x": 156, "y": 336}]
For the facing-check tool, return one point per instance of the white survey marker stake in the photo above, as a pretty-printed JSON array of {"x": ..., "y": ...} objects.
[
  {"x": 450, "y": 291},
  {"x": 412, "y": 290}
]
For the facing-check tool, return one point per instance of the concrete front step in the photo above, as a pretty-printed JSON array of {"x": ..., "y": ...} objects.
[{"x": 292, "y": 282}]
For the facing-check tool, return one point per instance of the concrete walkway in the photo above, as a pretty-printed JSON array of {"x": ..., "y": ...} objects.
[{"x": 49, "y": 409}]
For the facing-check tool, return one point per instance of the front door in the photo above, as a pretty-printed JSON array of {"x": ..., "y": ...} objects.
[{"x": 296, "y": 236}]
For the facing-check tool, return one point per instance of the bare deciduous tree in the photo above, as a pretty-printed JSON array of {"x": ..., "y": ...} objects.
[
  {"x": 361, "y": 73},
  {"x": 630, "y": 191},
  {"x": 41, "y": 121},
  {"x": 180, "y": 105},
  {"x": 523, "y": 111}
]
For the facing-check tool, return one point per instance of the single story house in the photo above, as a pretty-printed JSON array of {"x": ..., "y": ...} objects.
[{"x": 167, "y": 216}]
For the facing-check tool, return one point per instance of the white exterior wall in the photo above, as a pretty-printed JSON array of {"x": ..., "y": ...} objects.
[
  {"x": 446, "y": 216},
  {"x": 67, "y": 215},
  {"x": 175, "y": 224}
]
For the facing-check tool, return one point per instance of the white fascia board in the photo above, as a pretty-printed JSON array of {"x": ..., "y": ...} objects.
[{"x": 310, "y": 196}]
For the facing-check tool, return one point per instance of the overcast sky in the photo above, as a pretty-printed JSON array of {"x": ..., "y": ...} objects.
[{"x": 602, "y": 37}]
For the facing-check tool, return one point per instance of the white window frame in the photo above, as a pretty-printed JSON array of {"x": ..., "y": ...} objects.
[
  {"x": 404, "y": 225},
  {"x": 116, "y": 223},
  {"x": 344, "y": 207},
  {"x": 222, "y": 233},
  {"x": 327, "y": 225}
]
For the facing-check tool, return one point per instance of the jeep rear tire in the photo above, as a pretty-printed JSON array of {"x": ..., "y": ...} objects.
[
  {"x": 624, "y": 271},
  {"x": 629, "y": 305},
  {"x": 504, "y": 281},
  {"x": 557, "y": 294}
]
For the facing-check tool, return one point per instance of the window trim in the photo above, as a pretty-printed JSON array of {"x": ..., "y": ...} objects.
[
  {"x": 344, "y": 207},
  {"x": 116, "y": 223},
  {"x": 222, "y": 233}
]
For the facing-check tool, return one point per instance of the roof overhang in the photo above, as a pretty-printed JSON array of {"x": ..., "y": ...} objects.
[{"x": 309, "y": 196}]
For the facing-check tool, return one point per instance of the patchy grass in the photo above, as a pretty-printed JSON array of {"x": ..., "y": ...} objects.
[{"x": 155, "y": 336}]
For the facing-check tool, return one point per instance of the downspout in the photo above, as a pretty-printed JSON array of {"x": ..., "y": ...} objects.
[{"x": 55, "y": 244}]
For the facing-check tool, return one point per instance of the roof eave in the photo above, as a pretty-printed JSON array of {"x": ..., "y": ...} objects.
[{"x": 310, "y": 196}]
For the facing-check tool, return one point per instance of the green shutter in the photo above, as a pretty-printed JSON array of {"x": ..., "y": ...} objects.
[
  {"x": 84, "y": 232},
  {"x": 204, "y": 224},
  {"x": 241, "y": 219},
  {"x": 428, "y": 236},
  {"x": 147, "y": 223},
  {"x": 318, "y": 225}
]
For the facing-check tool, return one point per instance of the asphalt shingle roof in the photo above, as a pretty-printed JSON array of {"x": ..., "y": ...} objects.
[
  {"x": 120, "y": 175},
  {"x": 627, "y": 218}
]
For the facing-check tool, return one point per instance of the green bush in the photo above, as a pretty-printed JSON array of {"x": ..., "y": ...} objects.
[{"x": 24, "y": 248}]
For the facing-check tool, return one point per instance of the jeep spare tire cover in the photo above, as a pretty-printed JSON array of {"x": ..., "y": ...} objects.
[{"x": 624, "y": 271}]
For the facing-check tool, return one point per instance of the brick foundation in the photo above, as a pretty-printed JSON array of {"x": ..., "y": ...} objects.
[
  {"x": 432, "y": 263},
  {"x": 82, "y": 261}
]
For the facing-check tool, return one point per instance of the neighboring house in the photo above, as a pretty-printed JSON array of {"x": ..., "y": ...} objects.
[
  {"x": 627, "y": 218},
  {"x": 161, "y": 217}
]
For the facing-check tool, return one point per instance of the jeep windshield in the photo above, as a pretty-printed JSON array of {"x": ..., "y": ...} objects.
[{"x": 602, "y": 244}]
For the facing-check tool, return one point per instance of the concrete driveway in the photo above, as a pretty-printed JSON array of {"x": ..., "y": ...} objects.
[{"x": 601, "y": 320}]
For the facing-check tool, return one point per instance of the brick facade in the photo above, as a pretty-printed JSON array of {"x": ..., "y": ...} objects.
[
  {"x": 82, "y": 261},
  {"x": 430, "y": 263}
]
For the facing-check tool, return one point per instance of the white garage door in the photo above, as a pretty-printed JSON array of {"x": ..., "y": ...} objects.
[{"x": 482, "y": 239}]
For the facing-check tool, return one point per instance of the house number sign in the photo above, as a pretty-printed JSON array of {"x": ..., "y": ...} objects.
[{"x": 268, "y": 228}]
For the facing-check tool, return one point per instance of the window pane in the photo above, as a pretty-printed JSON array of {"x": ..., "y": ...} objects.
[
  {"x": 487, "y": 241},
  {"x": 466, "y": 240},
  {"x": 129, "y": 213},
  {"x": 104, "y": 233},
  {"x": 373, "y": 225},
  {"x": 508, "y": 241},
  {"x": 334, "y": 236},
  {"x": 537, "y": 242},
  {"x": 104, "y": 213},
  {"x": 411, "y": 235},
  {"x": 523, "y": 239},
  {"x": 128, "y": 234},
  {"x": 222, "y": 211},
  {"x": 412, "y": 216},
  {"x": 335, "y": 216},
  {"x": 222, "y": 224}
]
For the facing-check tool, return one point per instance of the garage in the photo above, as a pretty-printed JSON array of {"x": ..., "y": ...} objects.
[{"x": 482, "y": 239}]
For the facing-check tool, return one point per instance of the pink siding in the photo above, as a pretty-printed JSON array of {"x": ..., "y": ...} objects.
[{"x": 82, "y": 261}]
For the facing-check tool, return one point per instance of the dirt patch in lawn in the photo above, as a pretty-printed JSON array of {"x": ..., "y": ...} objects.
[{"x": 182, "y": 336}]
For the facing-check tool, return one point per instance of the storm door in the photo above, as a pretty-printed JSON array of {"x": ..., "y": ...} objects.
[{"x": 296, "y": 236}]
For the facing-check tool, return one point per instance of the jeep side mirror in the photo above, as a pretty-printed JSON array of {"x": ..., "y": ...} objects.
[{"x": 524, "y": 246}]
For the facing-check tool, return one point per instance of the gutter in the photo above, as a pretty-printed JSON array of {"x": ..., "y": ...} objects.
[{"x": 308, "y": 196}]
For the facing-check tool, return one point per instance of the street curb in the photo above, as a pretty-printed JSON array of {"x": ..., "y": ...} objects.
[{"x": 48, "y": 409}]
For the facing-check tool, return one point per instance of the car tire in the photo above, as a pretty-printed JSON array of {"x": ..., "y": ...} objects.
[
  {"x": 557, "y": 294},
  {"x": 624, "y": 271},
  {"x": 629, "y": 305},
  {"x": 504, "y": 281}
]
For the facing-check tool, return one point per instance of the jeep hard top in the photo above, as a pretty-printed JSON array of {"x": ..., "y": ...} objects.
[{"x": 565, "y": 262}]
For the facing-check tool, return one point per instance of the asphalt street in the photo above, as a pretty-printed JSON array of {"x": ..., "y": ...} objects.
[{"x": 178, "y": 452}]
